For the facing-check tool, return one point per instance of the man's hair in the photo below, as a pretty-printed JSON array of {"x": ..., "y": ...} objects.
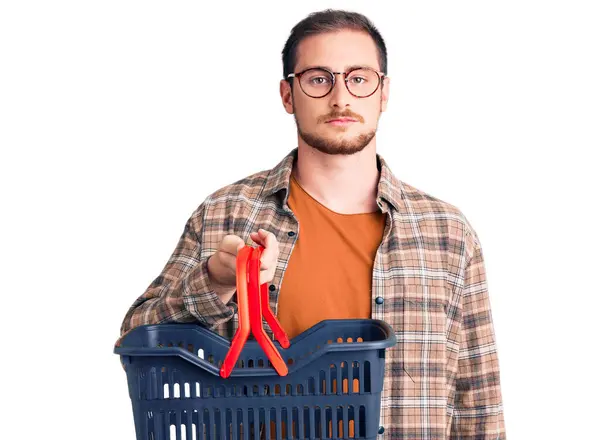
[{"x": 330, "y": 20}]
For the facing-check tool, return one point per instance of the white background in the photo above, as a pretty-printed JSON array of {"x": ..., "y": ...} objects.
[{"x": 112, "y": 131}]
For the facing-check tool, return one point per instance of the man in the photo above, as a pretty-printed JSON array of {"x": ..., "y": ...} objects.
[{"x": 345, "y": 238}]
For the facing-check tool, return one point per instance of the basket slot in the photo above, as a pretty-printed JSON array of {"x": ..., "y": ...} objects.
[
  {"x": 331, "y": 379},
  {"x": 176, "y": 382},
  {"x": 355, "y": 377},
  {"x": 159, "y": 425},
  {"x": 195, "y": 426},
  {"x": 149, "y": 424},
  {"x": 220, "y": 424},
  {"x": 301, "y": 424},
  {"x": 354, "y": 422},
  {"x": 242, "y": 423},
  {"x": 178, "y": 426},
  {"x": 162, "y": 385},
  {"x": 321, "y": 423},
  {"x": 362, "y": 425},
  {"x": 171, "y": 426},
  {"x": 312, "y": 390},
  {"x": 153, "y": 385},
  {"x": 189, "y": 427},
  {"x": 237, "y": 425},
  {"x": 331, "y": 422}
]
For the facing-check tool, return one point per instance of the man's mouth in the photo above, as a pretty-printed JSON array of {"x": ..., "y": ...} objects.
[{"x": 341, "y": 121}]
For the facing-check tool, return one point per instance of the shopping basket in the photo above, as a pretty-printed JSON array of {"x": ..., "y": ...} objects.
[{"x": 332, "y": 388}]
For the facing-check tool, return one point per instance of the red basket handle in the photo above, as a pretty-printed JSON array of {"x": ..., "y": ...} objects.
[{"x": 253, "y": 303}]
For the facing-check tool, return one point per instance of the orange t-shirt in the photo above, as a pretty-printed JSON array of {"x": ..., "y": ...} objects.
[{"x": 330, "y": 271}]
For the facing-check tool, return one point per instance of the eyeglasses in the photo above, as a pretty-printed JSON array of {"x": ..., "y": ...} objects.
[{"x": 317, "y": 82}]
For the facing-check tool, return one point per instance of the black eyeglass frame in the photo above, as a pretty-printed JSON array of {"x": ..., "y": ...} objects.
[{"x": 298, "y": 75}]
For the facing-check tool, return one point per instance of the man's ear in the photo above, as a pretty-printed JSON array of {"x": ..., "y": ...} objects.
[
  {"x": 287, "y": 97},
  {"x": 385, "y": 93}
]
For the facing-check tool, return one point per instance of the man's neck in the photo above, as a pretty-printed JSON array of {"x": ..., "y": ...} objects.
[{"x": 346, "y": 184}]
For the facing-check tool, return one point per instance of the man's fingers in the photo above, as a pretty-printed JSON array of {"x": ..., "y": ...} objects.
[
  {"x": 255, "y": 236},
  {"x": 270, "y": 240},
  {"x": 269, "y": 237},
  {"x": 231, "y": 244},
  {"x": 265, "y": 276},
  {"x": 271, "y": 245},
  {"x": 227, "y": 260}
]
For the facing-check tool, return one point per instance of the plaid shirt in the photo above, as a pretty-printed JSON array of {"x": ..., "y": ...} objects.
[{"x": 442, "y": 378}]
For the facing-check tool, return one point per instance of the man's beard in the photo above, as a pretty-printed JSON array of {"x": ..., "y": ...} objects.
[{"x": 333, "y": 146}]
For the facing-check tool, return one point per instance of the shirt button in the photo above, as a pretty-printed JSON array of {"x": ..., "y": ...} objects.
[
  {"x": 272, "y": 287},
  {"x": 291, "y": 233},
  {"x": 379, "y": 300},
  {"x": 381, "y": 430}
]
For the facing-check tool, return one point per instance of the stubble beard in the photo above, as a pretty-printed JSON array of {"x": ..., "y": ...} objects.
[{"x": 331, "y": 145}]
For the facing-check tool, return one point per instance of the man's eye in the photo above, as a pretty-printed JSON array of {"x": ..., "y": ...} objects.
[
  {"x": 318, "y": 80},
  {"x": 362, "y": 80}
]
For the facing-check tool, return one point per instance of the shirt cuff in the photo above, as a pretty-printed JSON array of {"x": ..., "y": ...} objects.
[{"x": 202, "y": 301}]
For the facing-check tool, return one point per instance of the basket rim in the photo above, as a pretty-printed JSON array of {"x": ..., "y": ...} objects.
[{"x": 127, "y": 348}]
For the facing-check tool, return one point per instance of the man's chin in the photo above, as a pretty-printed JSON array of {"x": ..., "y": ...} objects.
[
  {"x": 337, "y": 149},
  {"x": 336, "y": 146}
]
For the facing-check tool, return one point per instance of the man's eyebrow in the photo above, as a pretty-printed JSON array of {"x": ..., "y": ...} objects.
[{"x": 352, "y": 67}]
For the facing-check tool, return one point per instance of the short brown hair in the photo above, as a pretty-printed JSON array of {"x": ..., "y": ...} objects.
[{"x": 330, "y": 20}]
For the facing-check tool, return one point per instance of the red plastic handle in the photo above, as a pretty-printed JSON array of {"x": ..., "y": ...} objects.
[
  {"x": 253, "y": 302},
  {"x": 241, "y": 335}
]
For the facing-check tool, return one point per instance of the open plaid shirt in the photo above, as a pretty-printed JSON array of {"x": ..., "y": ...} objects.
[{"x": 442, "y": 378}]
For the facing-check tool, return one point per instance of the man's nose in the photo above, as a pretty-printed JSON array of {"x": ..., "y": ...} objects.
[{"x": 340, "y": 95}]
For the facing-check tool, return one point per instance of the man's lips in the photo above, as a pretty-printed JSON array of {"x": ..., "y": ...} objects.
[{"x": 342, "y": 120}]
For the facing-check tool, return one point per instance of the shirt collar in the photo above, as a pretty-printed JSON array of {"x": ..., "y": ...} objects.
[{"x": 389, "y": 187}]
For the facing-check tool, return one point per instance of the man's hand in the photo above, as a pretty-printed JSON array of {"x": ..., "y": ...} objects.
[{"x": 222, "y": 264}]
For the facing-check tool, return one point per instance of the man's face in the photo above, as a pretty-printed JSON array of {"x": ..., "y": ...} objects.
[{"x": 336, "y": 51}]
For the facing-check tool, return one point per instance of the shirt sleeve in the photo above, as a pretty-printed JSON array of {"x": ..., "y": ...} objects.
[
  {"x": 478, "y": 410},
  {"x": 182, "y": 292}
]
